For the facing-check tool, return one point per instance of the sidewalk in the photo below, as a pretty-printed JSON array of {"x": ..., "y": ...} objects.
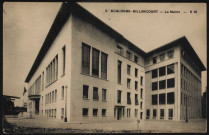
[{"x": 147, "y": 126}]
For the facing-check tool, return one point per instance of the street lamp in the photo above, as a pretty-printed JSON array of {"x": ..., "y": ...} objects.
[{"x": 65, "y": 104}]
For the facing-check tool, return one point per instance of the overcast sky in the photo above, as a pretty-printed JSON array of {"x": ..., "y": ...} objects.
[{"x": 25, "y": 26}]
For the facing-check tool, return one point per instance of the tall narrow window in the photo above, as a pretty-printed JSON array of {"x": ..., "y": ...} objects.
[
  {"x": 104, "y": 66},
  {"x": 148, "y": 114},
  {"x": 85, "y": 111},
  {"x": 43, "y": 81},
  {"x": 161, "y": 113},
  {"x": 154, "y": 86},
  {"x": 119, "y": 50},
  {"x": 62, "y": 96},
  {"x": 129, "y": 83},
  {"x": 55, "y": 98},
  {"x": 95, "y": 62},
  {"x": 141, "y": 80},
  {"x": 162, "y": 99},
  {"x": 119, "y": 96},
  {"x": 154, "y": 99},
  {"x": 136, "y": 99},
  {"x": 128, "y": 112},
  {"x": 154, "y": 113},
  {"x": 85, "y": 59},
  {"x": 154, "y": 60},
  {"x": 162, "y": 71},
  {"x": 128, "y": 98},
  {"x": 104, "y": 91},
  {"x": 52, "y": 96},
  {"x": 119, "y": 71},
  {"x": 136, "y": 72},
  {"x": 141, "y": 115},
  {"x": 136, "y": 59},
  {"x": 128, "y": 69},
  {"x": 141, "y": 93},
  {"x": 136, "y": 85},
  {"x": 95, "y": 112},
  {"x": 56, "y": 66},
  {"x": 95, "y": 93},
  {"x": 85, "y": 91},
  {"x": 128, "y": 55},
  {"x": 63, "y": 58},
  {"x": 162, "y": 57},
  {"x": 103, "y": 112},
  {"x": 136, "y": 112},
  {"x": 170, "y": 114},
  {"x": 170, "y": 98}
]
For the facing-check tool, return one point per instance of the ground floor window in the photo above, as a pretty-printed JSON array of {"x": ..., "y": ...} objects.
[
  {"x": 128, "y": 112},
  {"x": 154, "y": 113},
  {"x": 103, "y": 112},
  {"x": 85, "y": 111},
  {"x": 95, "y": 112},
  {"x": 161, "y": 113},
  {"x": 141, "y": 115},
  {"x": 170, "y": 114},
  {"x": 148, "y": 114},
  {"x": 62, "y": 113}
]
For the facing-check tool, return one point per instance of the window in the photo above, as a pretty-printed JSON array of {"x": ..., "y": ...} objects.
[
  {"x": 162, "y": 57},
  {"x": 103, "y": 112},
  {"x": 128, "y": 69},
  {"x": 95, "y": 93},
  {"x": 162, "y": 99},
  {"x": 55, "y": 113},
  {"x": 62, "y": 97},
  {"x": 129, "y": 83},
  {"x": 136, "y": 99},
  {"x": 85, "y": 111},
  {"x": 161, "y": 113},
  {"x": 85, "y": 59},
  {"x": 154, "y": 60},
  {"x": 170, "y": 114},
  {"x": 154, "y": 99},
  {"x": 136, "y": 85},
  {"x": 37, "y": 85},
  {"x": 170, "y": 83},
  {"x": 141, "y": 80},
  {"x": 128, "y": 112},
  {"x": 136, "y": 59},
  {"x": 55, "y": 97},
  {"x": 170, "y": 54},
  {"x": 119, "y": 71},
  {"x": 104, "y": 91},
  {"x": 141, "y": 93},
  {"x": 128, "y": 55},
  {"x": 148, "y": 114},
  {"x": 141, "y": 105},
  {"x": 141, "y": 115},
  {"x": 119, "y": 50},
  {"x": 128, "y": 98},
  {"x": 85, "y": 91},
  {"x": 136, "y": 72},
  {"x": 154, "y": 73},
  {"x": 136, "y": 112},
  {"x": 52, "y": 96},
  {"x": 63, "y": 62},
  {"x": 154, "y": 113},
  {"x": 42, "y": 80},
  {"x": 170, "y": 69},
  {"x": 95, "y": 62},
  {"x": 154, "y": 86},
  {"x": 170, "y": 98},
  {"x": 95, "y": 112},
  {"x": 42, "y": 100},
  {"x": 119, "y": 96},
  {"x": 62, "y": 113},
  {"x": 104, "y": 66},
  {"x": 162, "y": 84},
  {"x": 162, "y": 71}
]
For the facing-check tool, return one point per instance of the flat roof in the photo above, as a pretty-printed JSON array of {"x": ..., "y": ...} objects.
[{"x": 68, "y": 8}]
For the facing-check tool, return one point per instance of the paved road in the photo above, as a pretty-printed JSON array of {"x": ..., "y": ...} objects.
[{"x": 157, "y": 126}]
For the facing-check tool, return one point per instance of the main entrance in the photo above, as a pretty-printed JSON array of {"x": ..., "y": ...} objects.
[{"x": 119, "y": 112}]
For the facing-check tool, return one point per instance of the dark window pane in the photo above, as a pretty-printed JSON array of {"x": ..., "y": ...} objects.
[
  {"x": 136, "y": 59},
  {"x": 104, "y": 91},
  {"x": 161, "y": 113},
  {"x": 95, "y": 112},
  {"x": 104, "y": 66},
  {"x": 103, "y": 112},
  {"x": 95, "y": 62},
  {"x": 154, "y": 86},
  {"x": 95, "y": 93},
  {"x": 136, "y": 72},
  {"x": 170, "y": 98},
  {"x": 162, "y": 57},
  {"x": 161, "y": 99},
  {"x": 170, "y": 69},
  {"x": 119, "y": 72},
  {"x": 85, "y": 91},
  {"x": 85, "y": 111},
  {"x": 128, "y": 55},
  {"x": 136, "y": 99},
  {"x": 170, "y": 83},
  {"x": 154, "y": 73},
  {"x": 85, "y": 58},
  {"x": 148, "y": 114},
  {"x": 162, "y": 84},
  {"x": 119, "y": 96},
  {"x": 128, "y": 83},
  {"x": 136, "y": 85},
  {"x": 128, "y": 69},
  {"x": 170, "y": 114},
  {"x": 128, "y": 98},
  {"x": 154, "y": 113},
  {"x": 154, "y": 60},
  {"x": 154, "y": 99},
  {"x": 162, "y": 71}
]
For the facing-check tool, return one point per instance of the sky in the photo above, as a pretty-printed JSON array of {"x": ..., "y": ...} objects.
[{"x": 26, "y": 25}]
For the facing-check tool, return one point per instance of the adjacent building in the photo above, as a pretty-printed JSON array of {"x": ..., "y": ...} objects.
[{"x": 86, "y": 71}]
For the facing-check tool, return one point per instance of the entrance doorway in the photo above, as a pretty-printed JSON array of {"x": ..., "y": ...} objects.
[{"x": 119, "y": 112}]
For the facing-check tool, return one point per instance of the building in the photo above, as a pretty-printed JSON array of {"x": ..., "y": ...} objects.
[
  {"x": 204, "y": 104},
  {"x": 86, "y": 71}
]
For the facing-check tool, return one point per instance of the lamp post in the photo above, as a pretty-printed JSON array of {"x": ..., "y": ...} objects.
[
  {"x": 186, "y": 111},
  {"x": 65, "y": 104}
]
